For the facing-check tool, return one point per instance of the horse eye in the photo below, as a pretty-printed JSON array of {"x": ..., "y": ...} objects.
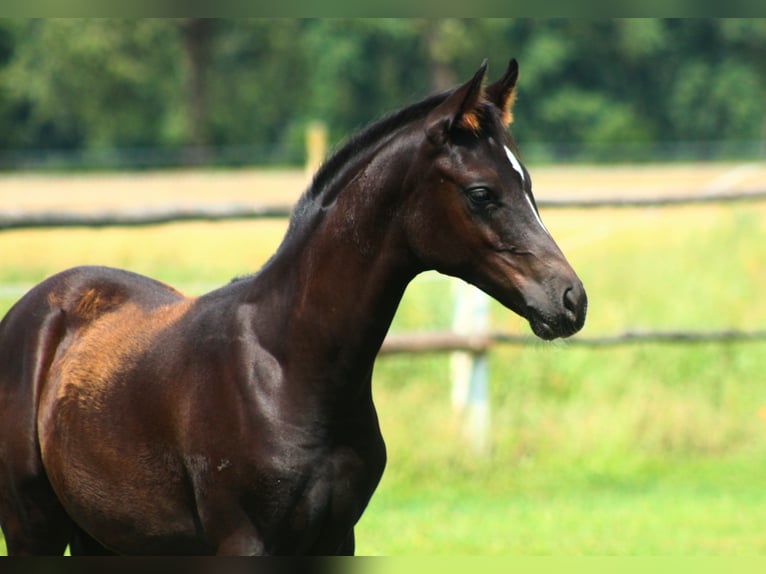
[{"x": 480, "y": 196}]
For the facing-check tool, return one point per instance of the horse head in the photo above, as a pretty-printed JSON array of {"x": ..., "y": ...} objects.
[{"x": 472, "y": 213}]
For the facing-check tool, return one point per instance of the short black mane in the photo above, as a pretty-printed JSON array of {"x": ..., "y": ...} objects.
[{"x": 334, "y": 167}]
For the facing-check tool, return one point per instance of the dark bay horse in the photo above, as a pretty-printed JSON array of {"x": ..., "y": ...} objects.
[{"x": 136, "y": 420}]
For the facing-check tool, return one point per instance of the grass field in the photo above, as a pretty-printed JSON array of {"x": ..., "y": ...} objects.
[{"x": 634, "y": 450}]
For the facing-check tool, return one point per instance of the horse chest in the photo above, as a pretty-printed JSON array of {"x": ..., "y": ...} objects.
[
  {"x": 330, "y": 497},
  {"x": 316, "y": 502}
]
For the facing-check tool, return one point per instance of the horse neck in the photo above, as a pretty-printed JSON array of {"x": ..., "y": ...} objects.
[{"x": 344, "y": 268}]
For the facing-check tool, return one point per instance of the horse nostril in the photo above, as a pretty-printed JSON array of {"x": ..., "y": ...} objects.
[
  {"x": 570, "y": 301},
  {"x": 575, "y": 303}
]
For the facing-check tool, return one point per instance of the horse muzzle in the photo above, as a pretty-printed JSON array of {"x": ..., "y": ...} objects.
[{"x": 562, "y": 316}]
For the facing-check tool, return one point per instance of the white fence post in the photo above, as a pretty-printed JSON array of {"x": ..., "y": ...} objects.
[{"x": 470, "y": 395}]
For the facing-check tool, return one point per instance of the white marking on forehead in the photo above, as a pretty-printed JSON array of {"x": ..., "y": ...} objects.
[
  {"x": 514, "y": 162},
  {"x": 517, "y": 166}
]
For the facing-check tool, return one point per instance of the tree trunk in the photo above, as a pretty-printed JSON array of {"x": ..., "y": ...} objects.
[
  {"x": 442, "y": 74},
  {"x": 196, "y": 34}
]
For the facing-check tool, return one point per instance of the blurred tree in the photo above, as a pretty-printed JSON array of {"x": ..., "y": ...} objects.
[
  {"x": 746, "y": 38},
  {"x": 258, "y": 87},
  {"x": 197, "y": 36},
  {"x": 97, "y": 82},
  {"x": 444, "y": 40},
  {"x": 571, "y": 89},
  {"x": 712, "y": 82},
  {"x": 361, "y": 69},
  {"x": 12, "y": 111},
  {"x": 255, "y": 83}
]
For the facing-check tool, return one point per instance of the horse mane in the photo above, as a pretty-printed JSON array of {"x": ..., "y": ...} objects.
[
  {"x": 344, "y": 162},
  {"x": 327, "y": 182},
  {"x": 340, "y": 163}
]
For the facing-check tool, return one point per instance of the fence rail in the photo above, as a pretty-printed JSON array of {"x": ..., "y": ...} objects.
[
  {"x": 656, "y": 201},
  {"x": 449, "y": 342},
  {"x": 139, "y": 217},
  {"x": 172, "y": 214}
]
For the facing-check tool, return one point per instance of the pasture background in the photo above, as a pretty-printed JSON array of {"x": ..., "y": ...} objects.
[{"x": 641, "y": 449}]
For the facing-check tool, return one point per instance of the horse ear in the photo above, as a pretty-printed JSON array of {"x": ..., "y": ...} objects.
[
  {"x": 503, "y": 92},
  {"x": 459, "y": 110}
]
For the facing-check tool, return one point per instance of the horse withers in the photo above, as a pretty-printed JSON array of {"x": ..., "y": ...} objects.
[{"x": 136, "y": 420}]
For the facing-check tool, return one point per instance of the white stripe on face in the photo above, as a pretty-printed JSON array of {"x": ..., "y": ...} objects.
[
  {"x": 537, "y": 215},
  {"x": 517, "y": 166},
  {"x": 515, "y": 163}
]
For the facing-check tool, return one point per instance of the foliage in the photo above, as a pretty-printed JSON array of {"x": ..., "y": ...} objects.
[
  {"x": 104, "y": 83},
  {"x": 94, "y": 82}
]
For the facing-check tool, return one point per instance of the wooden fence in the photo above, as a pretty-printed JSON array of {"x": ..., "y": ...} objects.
[
  {"x": 448, "y": 341},
  {"x": 19, "y": 219}
]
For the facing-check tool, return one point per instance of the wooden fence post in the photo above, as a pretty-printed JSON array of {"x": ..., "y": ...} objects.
[
  {"x": 316, "y": 146},
  {"x": 470, "y": 396}
]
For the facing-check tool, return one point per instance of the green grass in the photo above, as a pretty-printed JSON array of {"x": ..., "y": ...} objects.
[
  {"x": 633, "y": 450},
  {"x": 584, "y": 460},
  {"x": 666, "y": 512}
]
